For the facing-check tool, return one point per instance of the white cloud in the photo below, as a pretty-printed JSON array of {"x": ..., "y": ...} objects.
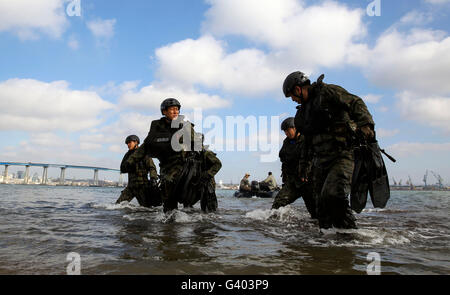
[
  {"x": 404, "y": 149},
  {"x": 28, "y": 19},
  {"x": 415, "y": 18},
  {"x": 150, "y": 97},
  {"x": 372, "y": 98},
  {"x": 204, "y": 61},
  {"x": 112, "y": 88},
  {"x": 382, "y": 133},
  {"x": 316, "y": 35},
  {"x": 418, "y": 60},
  {"x": 328, "y": 34},
  {"x": 114, "y": 134},
  {"x": 429, "y": 110},
  {"x": 32, "y": 105},
  {"x": 102, "y": 29},
  {"x": 47, "y": 139},
  {"x": 87, "y": 146}
]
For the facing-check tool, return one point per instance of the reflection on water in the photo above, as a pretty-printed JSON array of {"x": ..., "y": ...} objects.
[{"x": 40, "y": 225}]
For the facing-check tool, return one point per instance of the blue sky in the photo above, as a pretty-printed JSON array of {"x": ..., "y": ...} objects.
[{"x": 73, "y": 87}]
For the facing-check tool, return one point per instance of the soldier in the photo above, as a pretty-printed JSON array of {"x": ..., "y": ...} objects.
[
  {"x": 325, "y": 117},
  {"x": 293, "y": 187},
  {"x": 139, "y": 186},
  {"x": 165, "y": 142}
]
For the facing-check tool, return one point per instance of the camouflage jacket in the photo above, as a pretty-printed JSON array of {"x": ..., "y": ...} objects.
[
  {"x": 212, "y": 164},
  {"x": 325, "y": 120},
  {"x": 138, "y": 172}
]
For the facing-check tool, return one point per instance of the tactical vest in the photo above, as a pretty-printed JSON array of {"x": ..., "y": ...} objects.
[
  {"x": 158, "y": 142},
  {"x": 290, "y": 156},
  {"x": 323, "y": 118}
]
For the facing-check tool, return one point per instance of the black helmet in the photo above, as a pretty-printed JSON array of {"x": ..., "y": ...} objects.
[
  {"x": 288, "y": 123},
  {"x": 132, "y": 138},
  {"x": 169, "y": 102},
  {"x": 294, "y": 79}
]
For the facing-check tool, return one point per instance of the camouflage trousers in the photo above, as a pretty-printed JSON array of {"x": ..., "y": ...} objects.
[
  {"x": 293, "y": 189},
  {"x": 331, "y": 186},
  {"x": 170, "y": 193},
  {"x": 145, "y": 195}
]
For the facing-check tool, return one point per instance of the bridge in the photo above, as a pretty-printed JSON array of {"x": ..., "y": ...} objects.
[{"x": 60, "y": 166}]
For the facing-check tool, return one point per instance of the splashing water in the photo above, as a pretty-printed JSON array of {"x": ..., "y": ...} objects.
[{"x": 43, "y": 224}]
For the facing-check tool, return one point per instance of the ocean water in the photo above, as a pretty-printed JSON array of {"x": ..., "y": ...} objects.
[{"x": 41, "y": 225}]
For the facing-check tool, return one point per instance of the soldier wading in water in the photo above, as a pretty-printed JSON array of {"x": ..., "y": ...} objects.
[
  {"x": 139, "y": 186},
  {"x": 293, "y": 187},
  {"x": 182, "y": 168},
  {"x": 325, "y": 117}
]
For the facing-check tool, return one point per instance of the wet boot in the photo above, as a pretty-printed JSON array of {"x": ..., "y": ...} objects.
[{"x": 343, "y": 217}]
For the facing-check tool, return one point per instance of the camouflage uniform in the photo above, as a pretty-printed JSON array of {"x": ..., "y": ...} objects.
[
  {"x": 210, "y": 166},
  {"x": 293, "y": 187},
  {"x": 157, "y": 144},
  {"x": 138, "y": 182},
  {"x": 325, "y": 119}
]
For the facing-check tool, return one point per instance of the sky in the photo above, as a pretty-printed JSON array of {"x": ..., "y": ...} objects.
[{"x": 78, "y": 76}]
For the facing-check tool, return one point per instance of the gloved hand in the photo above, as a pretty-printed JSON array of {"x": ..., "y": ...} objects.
[
  {"x": 368, "y": 132},
  {"x": 302, "y": 173}
]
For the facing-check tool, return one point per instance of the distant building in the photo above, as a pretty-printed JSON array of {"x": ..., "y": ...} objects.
[{"x": 20, "y": 174}]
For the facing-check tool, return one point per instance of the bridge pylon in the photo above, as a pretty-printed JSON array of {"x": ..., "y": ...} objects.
[
  {"x": 27, "y": 174},
  {"x": 45, "y": 175},
  {"x": 62, "y": 177},
  {"x": 96, "y": 177}
]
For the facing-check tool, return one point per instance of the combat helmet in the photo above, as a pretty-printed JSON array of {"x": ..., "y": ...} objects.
[
  {"x": 132, "y": 138},
  {"x": 294, "y": 79},
  {"x": 287, "y": 123},
  {"x": 169, "y": 102}
]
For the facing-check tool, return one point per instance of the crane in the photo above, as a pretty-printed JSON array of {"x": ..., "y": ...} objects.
[
  {"x": 411, "y": 186},
  {"x": 438, "y": 178},
  {"x": 395, "y": 182},
  {"x": 425, "y": 178}
]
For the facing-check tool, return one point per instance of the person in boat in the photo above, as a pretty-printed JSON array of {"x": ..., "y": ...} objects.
[
  {"x": 293, "y": 188},
  {"x": 268, "y": 184},
  {"x": 323, "y": 116},
  {"x": 146, "y": 191},
  {"x": 244, "y": 186}
]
